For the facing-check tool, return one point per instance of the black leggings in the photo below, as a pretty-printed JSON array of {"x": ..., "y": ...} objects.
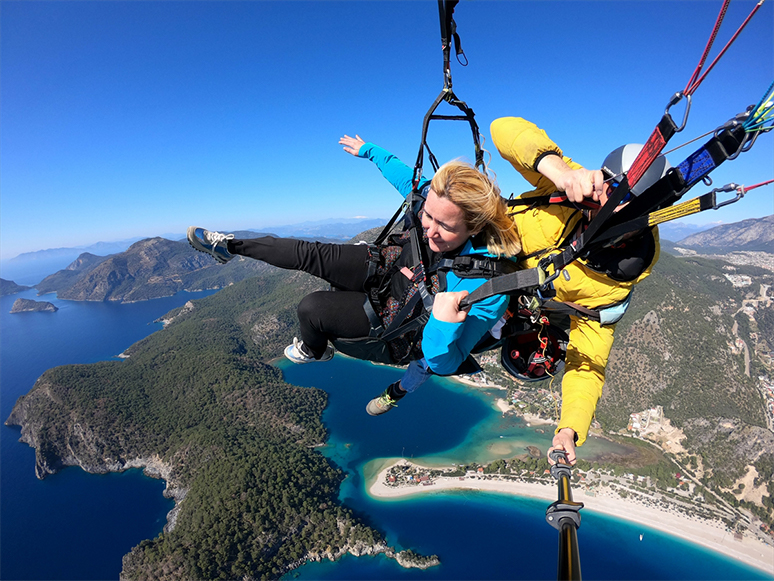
[{"x": 323, "y": 315}]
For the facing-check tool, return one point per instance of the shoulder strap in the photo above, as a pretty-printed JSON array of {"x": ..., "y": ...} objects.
[{"x": 409, "y": 206}]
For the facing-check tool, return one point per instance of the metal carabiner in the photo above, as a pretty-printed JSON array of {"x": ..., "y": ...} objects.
[
  {"x": 732, "y": 187},
  {"x": 543, "y": 268},
  {"x": 747, "y": 143},
  {"x": 676, "y": 98}
]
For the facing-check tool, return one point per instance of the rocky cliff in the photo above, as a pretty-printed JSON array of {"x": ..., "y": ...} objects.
[
  {"x": 68, "y": 276},
  {"x": 148, "y": 269}
]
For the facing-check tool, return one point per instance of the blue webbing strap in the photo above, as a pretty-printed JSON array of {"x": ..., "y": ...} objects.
[{"x": 698, "y": 165}]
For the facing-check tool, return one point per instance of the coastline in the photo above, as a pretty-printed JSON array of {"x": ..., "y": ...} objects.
[{"x": 711, "y": 535}]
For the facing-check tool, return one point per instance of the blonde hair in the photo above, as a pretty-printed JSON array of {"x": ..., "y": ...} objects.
[{"x": 483, "y": 210}]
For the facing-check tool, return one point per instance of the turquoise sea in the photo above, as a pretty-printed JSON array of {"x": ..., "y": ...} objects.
[{"x": 78, "y": 526}]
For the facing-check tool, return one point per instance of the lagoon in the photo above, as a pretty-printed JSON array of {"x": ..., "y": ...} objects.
[{"x": 477, "y": 535}]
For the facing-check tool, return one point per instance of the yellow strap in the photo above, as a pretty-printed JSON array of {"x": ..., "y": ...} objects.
[{"x": 674, "y": 212}]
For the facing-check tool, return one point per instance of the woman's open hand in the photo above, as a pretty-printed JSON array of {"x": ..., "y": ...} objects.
[{"x": 352, "y": 144}]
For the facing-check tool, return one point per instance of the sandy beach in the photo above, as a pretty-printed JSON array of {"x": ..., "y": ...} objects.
[{"x": 711, "y": 535}]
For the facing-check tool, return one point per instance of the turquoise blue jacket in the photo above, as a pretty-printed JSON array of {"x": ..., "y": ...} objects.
[{"x": 445, "y": 345}]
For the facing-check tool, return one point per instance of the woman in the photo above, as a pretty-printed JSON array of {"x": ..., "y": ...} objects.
[{"x": 463, "y": 214}]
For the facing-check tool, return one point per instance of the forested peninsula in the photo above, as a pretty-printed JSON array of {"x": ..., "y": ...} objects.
[{"x": 197, "y": 405}]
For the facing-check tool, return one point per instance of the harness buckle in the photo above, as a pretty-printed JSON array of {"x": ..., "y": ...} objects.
[{"x": 464, "y": 263}]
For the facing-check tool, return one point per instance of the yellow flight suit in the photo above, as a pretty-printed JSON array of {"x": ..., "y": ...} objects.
[{"x": 541, "y": 229}]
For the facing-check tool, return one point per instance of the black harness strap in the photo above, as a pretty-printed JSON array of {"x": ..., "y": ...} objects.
[
  {"x": 423, "y": 282},
  {"x": 572, "y": 309},
  {"x": 397, "y": 327},
  {"x": 558, "y": 261},
  {"x": 557, "y": 198},
  {"x": 404, "y": 207},
  {"x": 506, "y": 284},
  {"x": 377, "y": 327},
  {"x": 470, "y": 266},
  {"x": 448, "y": 31}
]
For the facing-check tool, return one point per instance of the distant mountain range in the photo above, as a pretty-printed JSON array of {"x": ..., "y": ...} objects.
[
  {"x": 157, "y": 267},
  {"x": 756, "y": 234},
  {"x": 334, "y": 229},
  {"x": 674, "y": 231},
  {"x": 31, "y": 267}
]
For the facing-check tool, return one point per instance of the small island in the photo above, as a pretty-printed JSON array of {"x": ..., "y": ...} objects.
[{"x": 30, "y": 306}]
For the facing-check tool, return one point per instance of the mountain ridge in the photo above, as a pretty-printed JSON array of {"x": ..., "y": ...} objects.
[{"x": 754, "y": 234}]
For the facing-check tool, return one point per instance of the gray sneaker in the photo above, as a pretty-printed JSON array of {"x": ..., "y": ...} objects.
[
  {"x": 382, "y": 404},
  {"x": 297, "y": 353},
  {"x": 214, "y": 243}
]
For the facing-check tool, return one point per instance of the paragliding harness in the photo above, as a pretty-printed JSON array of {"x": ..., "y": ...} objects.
[
  {"x": 534, "y": 337},
  {"x": 398, "y": 307}
]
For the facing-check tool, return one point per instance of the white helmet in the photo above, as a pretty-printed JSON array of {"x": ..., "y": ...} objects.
[{"x": 621, "y": 159}]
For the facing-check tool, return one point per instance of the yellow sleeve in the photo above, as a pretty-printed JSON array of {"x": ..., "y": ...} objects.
[
  {"x": 584, "y": 374},
  {"x": 521, "y": 143}
]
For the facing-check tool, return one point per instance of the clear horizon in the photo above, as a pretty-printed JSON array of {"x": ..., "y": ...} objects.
[{"x": 127, "y": 119}]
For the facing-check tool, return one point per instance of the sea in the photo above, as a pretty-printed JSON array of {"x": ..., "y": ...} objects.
[{"x": 77, "y": 526}]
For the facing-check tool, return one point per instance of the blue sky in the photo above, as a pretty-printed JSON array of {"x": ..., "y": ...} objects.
[{"x": 124, "y": 119}]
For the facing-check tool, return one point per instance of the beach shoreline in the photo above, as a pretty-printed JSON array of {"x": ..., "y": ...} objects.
[{"x": 709, "y": 534}]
